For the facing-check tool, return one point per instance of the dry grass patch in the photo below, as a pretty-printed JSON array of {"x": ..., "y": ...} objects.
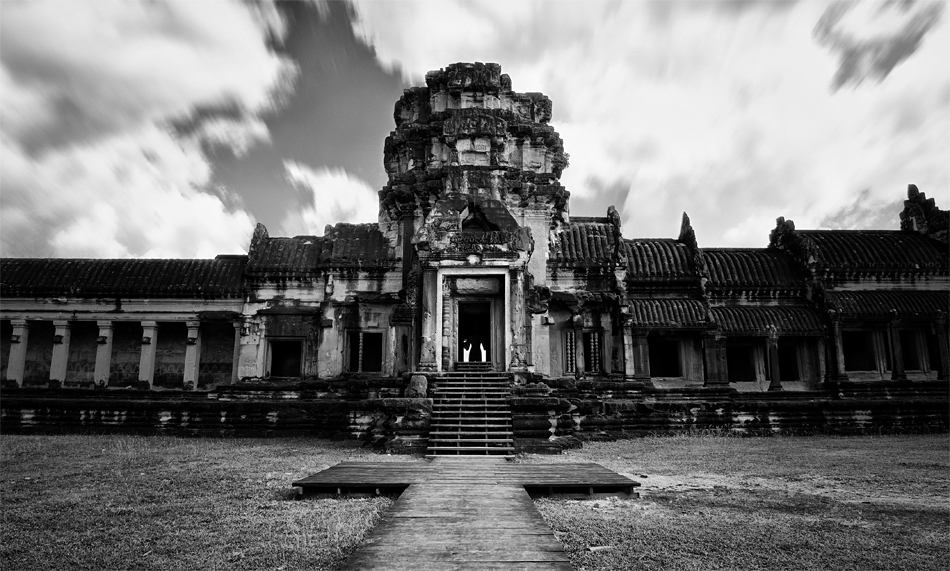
[
  {"x": 124, "y": 502},
  {"x": 764, "y": 503}
]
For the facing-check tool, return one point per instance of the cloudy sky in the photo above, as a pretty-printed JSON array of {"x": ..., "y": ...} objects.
[{"x": 167, "y": 129}]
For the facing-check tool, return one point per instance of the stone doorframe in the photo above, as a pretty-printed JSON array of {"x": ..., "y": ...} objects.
[{"x": 440, "y": 334}]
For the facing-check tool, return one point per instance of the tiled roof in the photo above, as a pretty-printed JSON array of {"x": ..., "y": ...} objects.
[
  {"x": 744, "y": 267},
  {"x": 583, "y": 244},
  {"x": 878, "y": 304},
  {"x": 343, "y": 246},
  {"x": 652, "y": 258},
  {"x": 588, "y": 242},
  {"x": 876, "y": 250},
  {"x": 667, "y": 313},
  {"x": 88, "y": 278},
  {"x": 752, "y": 320}
]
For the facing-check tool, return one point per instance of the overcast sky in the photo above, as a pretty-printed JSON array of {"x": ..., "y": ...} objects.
[{"x": 167, "y": 129}]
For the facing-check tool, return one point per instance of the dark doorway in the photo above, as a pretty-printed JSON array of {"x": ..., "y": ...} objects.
[
  {"x": 788, "y": 360},
  {"x": 474, "y": 335},
  {"x": 285, "y": 357},
  {"x": 664, "y": 357}
]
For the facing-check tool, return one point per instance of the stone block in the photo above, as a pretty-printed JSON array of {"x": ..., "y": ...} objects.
[{"x": 418, "y": 385}]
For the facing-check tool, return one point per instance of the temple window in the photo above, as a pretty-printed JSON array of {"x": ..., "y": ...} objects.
[
  {"x": 911, "y": 349},
  {"x": 285, "y": 357},
  {"x": 593, "y": 351},
  {"x": 365, "y": 351},
  {"x": 933, "y": 351},
  {"x": 788, "y": 357},
  {"x": 858, "y": 348},
  {"x": 745, "y": 359}
]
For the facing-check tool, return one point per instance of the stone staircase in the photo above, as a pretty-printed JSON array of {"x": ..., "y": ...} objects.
[{"x": 471, "y": 415}]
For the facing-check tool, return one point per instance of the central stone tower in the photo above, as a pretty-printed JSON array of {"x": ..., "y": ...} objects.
[{"x": 473, "y": 193}]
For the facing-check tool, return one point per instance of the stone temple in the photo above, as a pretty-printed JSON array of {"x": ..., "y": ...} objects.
[{"x": 475, "y": 268}]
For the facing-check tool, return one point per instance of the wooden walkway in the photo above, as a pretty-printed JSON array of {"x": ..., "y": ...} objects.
[{"x": 463, "y": 513}]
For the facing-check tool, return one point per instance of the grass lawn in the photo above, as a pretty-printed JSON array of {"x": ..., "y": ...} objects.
[
  {"x": 121, "y": 502},
  {"x": 764, "y": 503}
]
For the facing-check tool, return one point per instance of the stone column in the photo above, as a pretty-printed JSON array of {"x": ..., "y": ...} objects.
[
  {"x": 449, "y": 324},
  {"x": 579, "y": 364},
  {"x": 103, "y": 353},
  {"x": 641, "y": 356},
  {"x": 897, "y": 352},
  {"x": 429, "y": 344},
  {"x": 775, "y": 373},
  {"x": 519, "y": 360},
  {"x": 57, "y": 369},
  {"x": 838, "y": 346},
  {"x": 717, "y": 369},
  {"x": 942, "y": 347},
  {"x": 236, "y": 357},
  {"x": 629, "y": 350},
  {"x": 16, "y": 368},
  {"x": 192, "y": 354},
  {"x": 147, "y": 358}
]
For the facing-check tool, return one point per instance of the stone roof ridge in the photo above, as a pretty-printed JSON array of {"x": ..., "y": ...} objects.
[
  {"x": 589, "y": 220},
  {"x": 688, "y": 236},
  {"x": 860, "y": 252},
  {"x": 922, "y": 215}
]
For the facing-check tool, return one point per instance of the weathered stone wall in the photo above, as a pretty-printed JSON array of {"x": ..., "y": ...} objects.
[
  {"x": 170, "y": 356},
  {"x": 81, "y": 365},
  {"x": 395, "y": 424},
  {"x": 844, "y": 409},
  {"x": 126, "y": 354},
  {"x": 39, "y": 354},
  {"x": 217, "y": 355}
]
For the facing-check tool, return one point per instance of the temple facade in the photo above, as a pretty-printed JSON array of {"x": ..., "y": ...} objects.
[{"x": 474, "y": 263}]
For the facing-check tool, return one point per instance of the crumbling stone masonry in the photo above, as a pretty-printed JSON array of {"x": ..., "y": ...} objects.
[{"x": 474, "y": 262}]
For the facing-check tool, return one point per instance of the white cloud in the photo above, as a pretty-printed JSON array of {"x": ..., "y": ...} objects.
[
  {"x": 726, "y": 113},
  {"x": 90, "y": 166},
  {"x": 123, "y": 196},
  {"x": 237, "y": 134},
  {"x": 335, "y": 196}
]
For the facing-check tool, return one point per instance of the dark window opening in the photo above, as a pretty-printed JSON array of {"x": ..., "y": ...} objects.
[
  {"x": 6, "y": 335},
  {"x": 933, "y": 351},
  {"x": 909, "y": 350},
  {"x": 366, "y": 352},
  {"x": 740, "y": 359},
  {"x": 788, "y": 361},
  {"x": 664, "y": 357},
  {"x": 285, "y": 357},
  {"x": 858, "y": 348}
]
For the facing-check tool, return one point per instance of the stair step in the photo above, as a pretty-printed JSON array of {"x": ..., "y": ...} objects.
[
  {"x": 470, "y": 448},
  {"x": 468, "y": 430},
  {"x": 480, "y": 427},
  {"x": 471, "y": 414},
  {"x": 454, "y": 416},
  {"x": 487, "y": 441},
  {"x": 442, "y": 403},
  {"x": 464, "y": 450}
]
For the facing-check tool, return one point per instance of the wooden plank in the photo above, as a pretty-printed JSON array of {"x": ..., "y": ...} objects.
[{"x": 447, "y": 526}]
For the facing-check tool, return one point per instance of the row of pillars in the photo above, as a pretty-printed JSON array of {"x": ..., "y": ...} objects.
[
  {"x": 898, "y": 373},
  {"x": 716, "y": 367},
  {"x": 60, "y": 359}
]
